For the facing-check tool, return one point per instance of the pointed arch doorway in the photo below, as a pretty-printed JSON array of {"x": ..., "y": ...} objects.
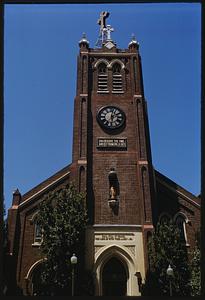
[{"x": 114, "y": 278}]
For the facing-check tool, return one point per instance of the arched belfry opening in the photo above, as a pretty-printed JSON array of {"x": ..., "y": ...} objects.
[{"x": 114, "y": 278}]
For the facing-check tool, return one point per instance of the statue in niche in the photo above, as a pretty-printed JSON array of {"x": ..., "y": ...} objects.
[{"x": 112, "y": 192}]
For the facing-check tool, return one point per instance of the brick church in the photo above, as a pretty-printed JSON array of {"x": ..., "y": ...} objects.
[{"x": 112, "y": 162}]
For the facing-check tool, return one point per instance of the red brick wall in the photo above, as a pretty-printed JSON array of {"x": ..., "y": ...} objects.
[
  {"x": 135, "y": 191},
  {"x": 171, "y": 202}
]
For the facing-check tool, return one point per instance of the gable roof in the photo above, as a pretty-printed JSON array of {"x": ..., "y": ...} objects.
[
  {"x": 177, "y": 189},
  {"x": 46, "y": 185}
]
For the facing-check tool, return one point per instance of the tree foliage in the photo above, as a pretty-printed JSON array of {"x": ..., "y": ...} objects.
[
  {"x": 195, "y": 270},
  {"x": 62, "y": 217},
  {"x": 165, "y": 247}
]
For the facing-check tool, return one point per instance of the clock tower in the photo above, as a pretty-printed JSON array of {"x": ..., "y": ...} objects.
[
  {"x": 112, "y": 161},
  {"x": 112, "y": 164}
]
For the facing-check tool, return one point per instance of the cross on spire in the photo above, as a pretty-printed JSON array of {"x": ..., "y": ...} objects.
[
  {"x": 105, "y": 30},
  {"x": 101, "y": 21}
]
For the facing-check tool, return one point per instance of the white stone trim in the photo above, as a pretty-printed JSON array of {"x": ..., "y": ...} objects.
[
  {"x": 101, "y": 60},
  {"x": 102, "y": 257},
  {"x": 186, "y": 221},
  {"x": 30, "y": 271},
  {"x": 122, "y": 241},
  {"x": 118, "y": 61}
]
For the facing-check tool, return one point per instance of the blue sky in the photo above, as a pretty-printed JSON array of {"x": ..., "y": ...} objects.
[{"x": 41, "y": 48}]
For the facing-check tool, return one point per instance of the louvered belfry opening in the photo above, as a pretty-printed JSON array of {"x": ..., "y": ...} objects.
[
  {"x": 116, "y": 78},
  {"x": 102, "y": 77}
]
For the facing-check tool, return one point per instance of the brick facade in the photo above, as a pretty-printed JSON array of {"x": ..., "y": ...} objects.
[{"x": 143, "y": 193}]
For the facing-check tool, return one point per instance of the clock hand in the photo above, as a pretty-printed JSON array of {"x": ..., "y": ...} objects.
[
  {"x": 108, "y": 116},
  {"x": 114, "y": 117}
]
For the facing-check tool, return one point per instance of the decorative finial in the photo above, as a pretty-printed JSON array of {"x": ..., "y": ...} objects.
[
  {"x": 84, "y": 39},
  {"x": 134, "y": 41}
]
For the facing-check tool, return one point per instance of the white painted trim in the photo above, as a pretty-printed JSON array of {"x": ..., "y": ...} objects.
[
  {"x": 183, "y": 215},
  {"x": 185, "y": 221},
  {"x": 101, "y": 60},
  {"x": 43, "y": 189},
  {"x": 117, "y": 92},
  {"x": 143, "y": 162},
  {"x": 82, "y": 161},
  {"x": 34, "y": 216},
  {"x": 118, "y": 61},
  {"x": 30, "y": 271},
  {"x": 103, "y": 92}
]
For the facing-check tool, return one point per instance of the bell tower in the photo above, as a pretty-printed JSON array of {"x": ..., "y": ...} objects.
[{"x": 112, "y": 155}]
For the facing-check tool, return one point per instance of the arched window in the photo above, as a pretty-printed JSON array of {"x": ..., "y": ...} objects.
[
  {"x": 37, "y": 233},
  {"x": 37, "y": 230},
  {"x": 102, "y": 77},
  {"x": 116, "y": 78},
  {"x": 181, "y": 224}
]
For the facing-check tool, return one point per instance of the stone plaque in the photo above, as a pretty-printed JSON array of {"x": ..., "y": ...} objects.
[
  {"x": 118, "y": 143},
  {"x": 114, "y": 236}
]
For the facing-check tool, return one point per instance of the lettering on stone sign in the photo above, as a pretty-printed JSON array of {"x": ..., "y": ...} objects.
[
  {"x": 112, "y": 143},
  {"x": 111, "y": 237}
]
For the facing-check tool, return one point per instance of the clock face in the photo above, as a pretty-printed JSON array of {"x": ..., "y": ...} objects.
[{"x": 111, "y": 117}]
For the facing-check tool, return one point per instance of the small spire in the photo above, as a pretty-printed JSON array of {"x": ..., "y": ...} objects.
[
  {"x": 16, "y": 192},
  {"x": 84, "y": 39},
  {"x": 16, "y": 197},
  {"x": 134, "y": 42}
]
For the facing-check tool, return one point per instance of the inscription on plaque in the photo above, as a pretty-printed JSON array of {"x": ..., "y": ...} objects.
[
  {"x": 115, "y": 236},
  {"x": 112, "y": 143}
]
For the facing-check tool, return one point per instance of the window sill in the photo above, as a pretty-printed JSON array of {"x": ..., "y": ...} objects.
[{"x": 36, "y": 244}]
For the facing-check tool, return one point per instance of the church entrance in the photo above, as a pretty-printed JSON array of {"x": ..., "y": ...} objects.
[{"x": 114, "y": 278}]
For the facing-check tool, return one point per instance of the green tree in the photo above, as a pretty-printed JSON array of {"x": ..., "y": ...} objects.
[
  {"x": 195, "y": 270},
  {"x": 62, "y": 217},
  {"x": 165, "y": 247}
]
